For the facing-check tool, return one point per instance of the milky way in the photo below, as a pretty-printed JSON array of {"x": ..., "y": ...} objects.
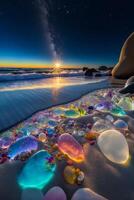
[{"x": 44, "y": 10}]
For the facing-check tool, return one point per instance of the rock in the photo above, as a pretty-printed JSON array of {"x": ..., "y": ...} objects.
[
  {"x": 126, "y": 103},
  {"x": 69, "y": 146},
  {"x": 114, "y": 146},
  {"x": 87, "y": 194},
  {"x": 129, "y": 86},
  {"x": 31, "y": 194},
  {"x": 38, "y": 171},
  {"x": 101, "y": 125},
  {"x": 130, "y": 81},
  {"x": 70, "y": 175},
  {"x": 23, "y": 145},
  {"x": 125, "y": 67},
  {"x": 121, "y": 124},
  {"x": 55, "y": 193}
]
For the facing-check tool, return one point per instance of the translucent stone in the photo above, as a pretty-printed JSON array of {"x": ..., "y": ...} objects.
[
  {"x": 114, "y": 146},
  {"x": 104, "y": 106},
  {"x": 59, "y": 111},
  {"x": 118, "y": 111},
  {"x": 55, "y": 193},
  {"x": 70, "y": 175},
  {"x": 87, "y": 194},
  {"x": 110, "y": 118},
  {"x": 101, "y": 125},
  {"x": 42, "y": 137},
  {"x": 69, "y": 146},
  {"x": 126, "y": 103},
  {"x": 5, "y": 142},
  {"x": 52, "y": 123},
  {"x": 50, "y": 132},
  {"x": 121, "y": 124},
  {"x": 27, "y": 130},
  {"x": 72, "y": 114},
  {"x": 23, "y": 145},
  {"x": 38, "y": 171}
]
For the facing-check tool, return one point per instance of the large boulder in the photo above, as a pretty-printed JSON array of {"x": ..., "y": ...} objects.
[{"x": 125, "y": 67}]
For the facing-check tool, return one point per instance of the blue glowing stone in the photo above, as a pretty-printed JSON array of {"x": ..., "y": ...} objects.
[
  {"x": 23, "y": 145},
  {"x": 52, "y": 123},
  {"x": 50, "y": 132},
  {"x": 72, "y": 114},
  {"x": 59, "y": 111},
  {"x": 27, "y": 130},
  {"x": 118, "y": 111},
  {"x": 121, "y": 124},
  {"x": 38, "y": 171}
]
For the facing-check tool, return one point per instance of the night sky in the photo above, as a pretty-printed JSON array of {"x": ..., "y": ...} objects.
[{"x": 74, "y": 31}]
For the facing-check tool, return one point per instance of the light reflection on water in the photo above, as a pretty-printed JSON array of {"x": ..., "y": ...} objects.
[{"x": 56, "y": 82}]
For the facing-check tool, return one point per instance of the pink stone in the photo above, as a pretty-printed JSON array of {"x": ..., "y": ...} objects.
[
  {"x": 55, "y": 193},
  {"x": 69, "y": 146}
]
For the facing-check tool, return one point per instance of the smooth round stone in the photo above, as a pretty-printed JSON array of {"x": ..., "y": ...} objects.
[
  {"x": 114, "y": 146},
  {"x": 27, "y": 130},
  {"x": 23, "y": 145},
  {"x": 69, "y": 146},
  {"x": 50, "y": 132},
  {"x": 121, "y": 124},
  {"x": 110, "y": 118},
  {"x": 103, "y": 106},
  {"x": 126, "y": 103},
  {"x": 59, "y": 111},
  {"x": 87, "y": 194},
  {"x": 42, "y": 137},
  {"x": 72, "y": 114},
  {"x": 55, "y": 193},
  {"x": 70, "y": 175},
  {"x": 118, "y": 111},
  {"x": 38, "y": 171},
  {"x": 52, "y": 123},
  {"x": 101, "y": 125},
  {"x": 6, "y": 142},
  {"x": 31, "y": 194}
]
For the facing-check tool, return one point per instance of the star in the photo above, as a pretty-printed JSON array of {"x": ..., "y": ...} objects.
[{"x": 67, "y": 12}]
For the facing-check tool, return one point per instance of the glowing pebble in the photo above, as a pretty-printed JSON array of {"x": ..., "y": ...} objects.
[
  {"x": 6, "y": 142},
  {"x": 38, "y": 171},
  {"x": 59, "y": 111},
  {"x": 126, "y": 103},
  {"x": 118, "y": 111},
  {"x": 101, "y": 125},
  {"x": 114, "y": 146},
  {"x": 23, "y": 145},
  {"x": 50, "y": 132},
  {"x": 68, "y": 145},
  {"x": 121, "y": 124},
  {"x": 87, "y": 194},
  {"x": 55, "y": 193},
  {"x": 110, "y": 118},
  {"x": 31, "y": 194},
  {"x": 103, "y": 106},
  {"x": 72, "y": 114},
  {"x": 70, "y": 175},
  {"x": 52, "y": 123},
  {"x": 42, "y": 137}
]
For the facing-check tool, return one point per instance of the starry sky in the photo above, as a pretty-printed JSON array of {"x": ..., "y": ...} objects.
[{"x": 73, "y": 31}]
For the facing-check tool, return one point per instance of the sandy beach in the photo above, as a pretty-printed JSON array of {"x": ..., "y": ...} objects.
[{"x": 113, "y": 181}]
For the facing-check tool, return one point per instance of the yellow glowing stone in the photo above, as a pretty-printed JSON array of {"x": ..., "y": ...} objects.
[{"x": 114, "y": 146}]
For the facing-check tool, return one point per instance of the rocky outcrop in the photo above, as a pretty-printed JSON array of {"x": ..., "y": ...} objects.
[{"x": 125, "y": 67}]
